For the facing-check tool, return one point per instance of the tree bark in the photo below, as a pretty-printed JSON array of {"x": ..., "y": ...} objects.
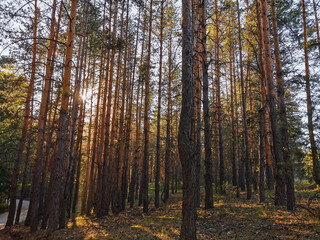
[
  {"x": 135, "y": 167},
  {"x": 279, "y": 174},
  {"x": 206, "y": 113},
  {"x": 186, "y": 143},
  {"x": 316, "y": 167},
  {"x": 55, "y": 180},
  {"x": 157, "y": 173},
  {"x": 247, "y": 160},
  {"x": 167, "y": 164},
  {"x": 283, "y": 113},
  {"x": 15, "y": 174},
  {"x": 145, "y": 163}
]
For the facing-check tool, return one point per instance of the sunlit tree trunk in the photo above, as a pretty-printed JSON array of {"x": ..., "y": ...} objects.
[
  {"x": 55, "y": 179},
  {"x": 78, "y": 150},
  {"x": 44, "y": 195},
  {"x": 279, "y": 174},
  {"x": 71, "y": 160},
  {"x": 35, "y": 193},
  {"x": 85, "y": 188}
]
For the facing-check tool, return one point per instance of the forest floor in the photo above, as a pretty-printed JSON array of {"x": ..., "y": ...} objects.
[{"x": 231, "y": 218}]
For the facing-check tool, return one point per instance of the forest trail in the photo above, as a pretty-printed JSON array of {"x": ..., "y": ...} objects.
[
  {"x": 24, "y": 210},
  {"x": 230, "y": 218}
]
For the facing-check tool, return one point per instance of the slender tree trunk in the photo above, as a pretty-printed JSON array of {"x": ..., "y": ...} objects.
[
  {"x": 15, "y": 174},
  {"x": 219, "y": 106},
  {"x": 206, "y": 113},
  {"x": 35, "y": 193},
  {"x": 280, "y": 174},
  {"x": 135, "y": 166},
  {"x": 106, "y": 168},
  {"x": 87, "y": 172},
  {"x": 261, "y": 112},
  {"x": 316, "y": 167},
  {"x": 283, "y": 113},
  {"x": 233, "y": 135},
  {"x": 168, "y": 133},
  {"x": 244, "y": 115},
  {"x": 121, "y": 139},
  {"x": 186, "y": 143},
  {"x": 55, "y": 180},
  {"x": 26, "y": 165},
  {"x": 104, "y": 78},
  {"x": 43, "y": 195},
  {"x": 71, "y": 160},
  {"x": 109, "y": 152},
  {"x": 157, "y": 173},
  {"x": 144, "y": 173},
  {"x": 197, "y": 94}
]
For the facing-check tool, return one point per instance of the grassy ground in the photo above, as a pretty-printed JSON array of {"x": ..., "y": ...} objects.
[{"x": 231, "y": 218}]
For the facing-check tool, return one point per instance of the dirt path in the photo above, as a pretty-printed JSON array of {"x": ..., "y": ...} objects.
[{"x": 24, "y": 210}]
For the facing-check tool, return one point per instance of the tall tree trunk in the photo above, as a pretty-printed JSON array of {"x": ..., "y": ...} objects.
[
  {"x": 15, "y": 174},
  {"x": 135, "y": 165},
  {"x": 233, "y": 134},
  {"x": 106, "y": 168},
  {"x": 71, "y": 160},
  {"x": 279, "y": 175},
  {"x": 43, "y": 195},
  {"x": 87, "y": 172},
  {"x": 121, "y": 139},
  {"x": 35, "y": 192},
  {"x": 55, "y": 180},
  {"x": 144, "y": 173},
  {"x": 109, "y": 152},
  {"x": 157, "y": 173},
  {"x": 244, "y": 115},
  {"x": 197, "y": 93},
  {"x": 26, "y": 166},
  {"x": 168, "y": 137},
  {"x": 262, "y": 111},
  {"x": 283, "y": 113},
  {"x": 316, "y": 167},
  {"x": 206, "y": 113},
  {"x": 186, "y": 143},
  {"x": 101, "y": 134},
  {"x": 219, "y": 106}
]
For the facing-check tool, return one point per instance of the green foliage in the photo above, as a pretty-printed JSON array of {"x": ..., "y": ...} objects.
[{"x": 12, "y": 98}]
